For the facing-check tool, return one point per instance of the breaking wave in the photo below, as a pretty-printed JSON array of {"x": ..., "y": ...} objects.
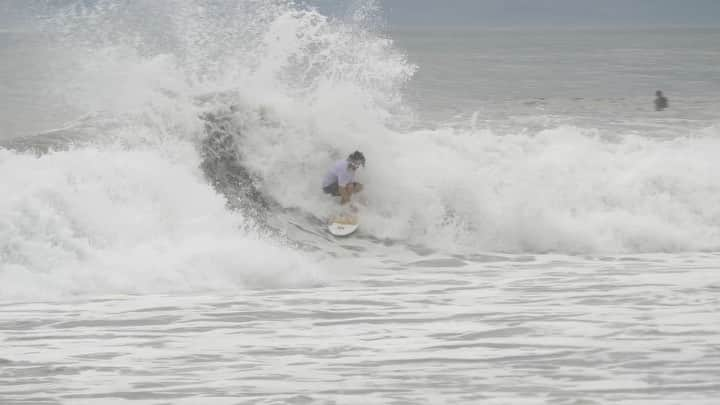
[{"x": 204, "y": 119}]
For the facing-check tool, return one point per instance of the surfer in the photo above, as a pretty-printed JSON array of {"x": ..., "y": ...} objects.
[
  {"x": 661, "y": 102},
  {"x": 340, "y": 179}
]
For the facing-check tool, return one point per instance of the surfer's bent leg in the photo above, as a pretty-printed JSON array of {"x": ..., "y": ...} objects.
[{"x": 332, "y": 189}]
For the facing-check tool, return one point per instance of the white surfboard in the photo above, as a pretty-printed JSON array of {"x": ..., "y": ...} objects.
[{"x": 343, "y": 225}]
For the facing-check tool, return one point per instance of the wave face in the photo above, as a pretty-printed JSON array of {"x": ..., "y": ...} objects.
[{"x": 190, "y": 104}]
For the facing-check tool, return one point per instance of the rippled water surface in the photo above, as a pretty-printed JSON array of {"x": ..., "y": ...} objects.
[{"x": 428, "y": 329}]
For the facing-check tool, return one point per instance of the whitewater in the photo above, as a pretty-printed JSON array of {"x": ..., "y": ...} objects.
[{"x": 532, "y": 232}]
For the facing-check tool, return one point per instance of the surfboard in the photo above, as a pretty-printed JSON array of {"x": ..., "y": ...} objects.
[{"x": 343, "y": 225}]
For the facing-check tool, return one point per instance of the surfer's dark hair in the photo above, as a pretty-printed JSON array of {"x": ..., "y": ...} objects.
[{"x": 358, "y": 157}]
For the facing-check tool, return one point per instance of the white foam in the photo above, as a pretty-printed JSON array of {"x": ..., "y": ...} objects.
[{"x": 127, "y": 221}]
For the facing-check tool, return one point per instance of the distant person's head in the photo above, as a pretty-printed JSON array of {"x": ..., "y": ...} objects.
[
  {"x": 658, "y": 93},
  {"x": 356, "y": 159}
]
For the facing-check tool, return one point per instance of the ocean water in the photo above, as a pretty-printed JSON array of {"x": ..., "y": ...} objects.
[{"x": 533, "y": 232}]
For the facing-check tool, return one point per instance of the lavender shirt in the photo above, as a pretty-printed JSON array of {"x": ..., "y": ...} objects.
[{"x": 340, "y": 173}]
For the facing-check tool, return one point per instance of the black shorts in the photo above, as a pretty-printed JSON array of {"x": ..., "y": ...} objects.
[{"x": 334, "y": 189}]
